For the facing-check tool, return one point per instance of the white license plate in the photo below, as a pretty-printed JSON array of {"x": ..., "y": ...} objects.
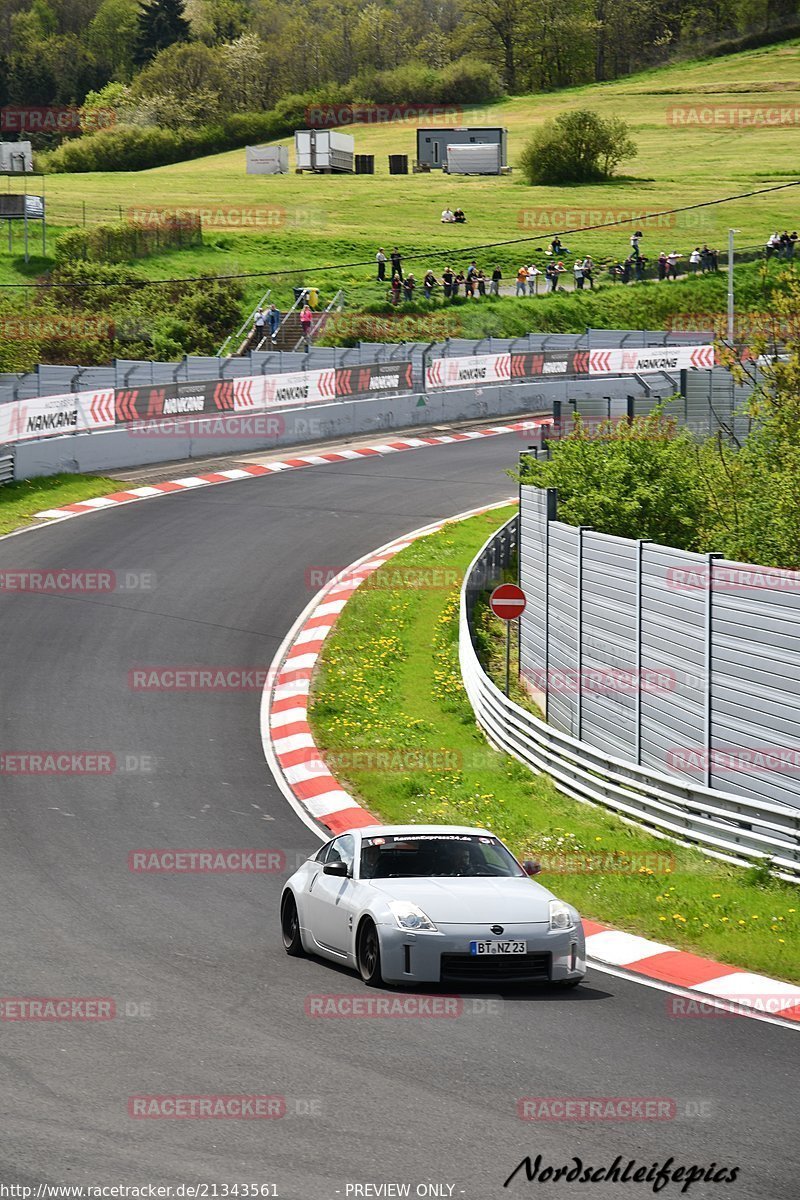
[{"x": 498, "y": 947}]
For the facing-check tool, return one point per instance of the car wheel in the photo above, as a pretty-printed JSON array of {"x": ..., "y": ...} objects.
[
  {"x": 290, "y": 927},
  {"x": 368, "y": 955},
  {"x": 570, "y": 983}
]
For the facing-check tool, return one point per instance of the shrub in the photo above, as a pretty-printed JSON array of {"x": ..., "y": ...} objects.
[
  {"x": 576, "y": 147},
  {"x": 127, "y": 240}
]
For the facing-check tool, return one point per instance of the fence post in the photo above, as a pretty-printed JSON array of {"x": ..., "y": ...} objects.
[
  {"x": 709, "y": 666},
  {"x": 579, "y": 634}
]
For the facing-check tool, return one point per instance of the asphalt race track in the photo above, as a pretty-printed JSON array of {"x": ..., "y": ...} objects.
[{"x": 207, "y": 1002}]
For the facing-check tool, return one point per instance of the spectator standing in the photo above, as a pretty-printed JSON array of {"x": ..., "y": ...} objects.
[
  {"x": 792, "y": 241},
  {"x": 380, "y": 259},
  {"x": 409, "y": 283},
  {"x": 577, "y": 271},
  {"x": 662, "y": 265},
  {"x": 588, "y": 271},
  {"x": 713, "y": 260},
  {"x": 773, "y": 242},
  {"x": 397, "y": 269},
  {"x": 259, "y": 325},
  {"x": 429, "y": 282},
  {"x": 694, "y": 260},
  {"x": 397, "y": 287},
  {"x": 459, "y": 279},
  {"x": 494, "y": 286},
  {"x": 533, "y": 279},
  {"x": 274, "y": 321},
  {"x": 635, "y": 243},
  {"x": 306, "y": 317},
  {"x": 447, "y": 282},
  {"x": 672, "y": 264},
  {"x": 522, "y": 279},
  {"x": 481, "y": 281},
  {"x": 639, "y": 265},
  {"x": 626, "y": 269}
]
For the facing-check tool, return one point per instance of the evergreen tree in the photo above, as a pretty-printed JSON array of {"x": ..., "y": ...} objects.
[{"x": 161, "y": 23}]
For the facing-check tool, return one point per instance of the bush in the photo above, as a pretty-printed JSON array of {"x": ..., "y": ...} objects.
[{"x": 576, "y": 147}]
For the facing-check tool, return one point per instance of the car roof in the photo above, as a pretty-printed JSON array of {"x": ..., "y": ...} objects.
[{"x": 377, "y": 830}]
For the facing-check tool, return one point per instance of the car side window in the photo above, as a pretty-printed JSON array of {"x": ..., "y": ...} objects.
[
  {"x": 322, "y": 855},
  {"x": 344, "y": 849}
]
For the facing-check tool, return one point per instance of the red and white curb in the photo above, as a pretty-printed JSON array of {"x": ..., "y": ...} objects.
[
  {"x": 327, "y": 809},
  {"x": 256, "y": 470}
]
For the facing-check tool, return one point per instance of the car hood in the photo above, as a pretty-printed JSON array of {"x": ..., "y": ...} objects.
[{"x": 468, "y": 900}]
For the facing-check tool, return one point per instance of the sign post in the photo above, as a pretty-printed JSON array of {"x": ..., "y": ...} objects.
[{"x": 508, "y": 603}]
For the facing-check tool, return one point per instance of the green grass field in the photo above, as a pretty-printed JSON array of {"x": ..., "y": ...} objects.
[
  {"x": 309, "y": 221},
  {"x": 390, "y": 681},
  {"x": 20, "y": 502}
]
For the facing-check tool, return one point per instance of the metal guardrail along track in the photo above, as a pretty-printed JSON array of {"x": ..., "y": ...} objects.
[{"x": 721, "y": 824}]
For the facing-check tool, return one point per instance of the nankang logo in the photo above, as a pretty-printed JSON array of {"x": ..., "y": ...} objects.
[{"x": 300, "y": 392}]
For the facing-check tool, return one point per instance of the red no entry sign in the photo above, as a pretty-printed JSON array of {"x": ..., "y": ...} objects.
[{"x": 507, "y": 602}]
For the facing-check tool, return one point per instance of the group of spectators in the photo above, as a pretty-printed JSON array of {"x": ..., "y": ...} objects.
[
  {"x": 781, "y": 245},
  {"x": 702, "y": 260}
]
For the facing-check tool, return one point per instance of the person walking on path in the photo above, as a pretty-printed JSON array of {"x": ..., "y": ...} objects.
[
  {"x": 380, "y": 259},
  {"x": 397, "y": 259},
  {"x": 494, "y": 286},
  {"x": 274, "y": 321},
  {"x": 306, "y": 317}
]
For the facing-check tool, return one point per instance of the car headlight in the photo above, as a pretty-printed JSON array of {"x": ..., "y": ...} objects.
[
  {"x": 560, "y": 915},
  {"x": 408, "y": 916}
]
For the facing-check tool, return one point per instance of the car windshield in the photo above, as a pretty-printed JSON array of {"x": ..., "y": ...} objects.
[{"x": 406, "y": 856}]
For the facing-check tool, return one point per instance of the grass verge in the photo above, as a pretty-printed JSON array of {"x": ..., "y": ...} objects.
[
  {"x": 391, "y": 715},
  {"x": 20, "y": 502}
]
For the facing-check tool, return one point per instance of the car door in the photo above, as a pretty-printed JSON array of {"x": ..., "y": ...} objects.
[{"x": 331, "y": 898}]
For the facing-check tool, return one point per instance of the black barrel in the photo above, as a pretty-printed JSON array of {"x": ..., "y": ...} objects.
[
  {"x": 398, "y": 164},
  {"x": 365, "y": 164}
]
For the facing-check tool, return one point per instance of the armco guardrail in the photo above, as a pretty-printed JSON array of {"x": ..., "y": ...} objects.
[
  {"x": 6, "y": 468},
  {"x": 722, "y": 824}
]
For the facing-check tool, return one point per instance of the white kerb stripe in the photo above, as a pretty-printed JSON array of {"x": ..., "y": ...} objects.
[
  {"x": 613, "y": 946},
  {"x": 754, "y": 987},
  {"x": 289, "y": 716},
  {"x": 312, "y": 635},
  {"x": 329, "y": 802},
  {"x": 297, "y": 741}
]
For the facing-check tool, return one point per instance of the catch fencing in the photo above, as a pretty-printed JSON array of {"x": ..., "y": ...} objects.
[{"x": 725, "y": 824}]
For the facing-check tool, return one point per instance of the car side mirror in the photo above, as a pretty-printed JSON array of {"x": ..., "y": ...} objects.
[
  {"x": 336, "y": 868},
  {"x": 530, "y": 867}
]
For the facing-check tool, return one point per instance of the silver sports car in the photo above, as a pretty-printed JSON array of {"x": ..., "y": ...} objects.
[{"x": 430, "y": 904}]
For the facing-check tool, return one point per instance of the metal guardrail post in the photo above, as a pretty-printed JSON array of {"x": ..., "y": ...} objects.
[
  {"x": 637, "y": 733},
  {"x": 551, "y": 511}
]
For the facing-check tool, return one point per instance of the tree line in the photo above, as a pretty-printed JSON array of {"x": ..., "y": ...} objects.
[{"x": 246, "y": 55}]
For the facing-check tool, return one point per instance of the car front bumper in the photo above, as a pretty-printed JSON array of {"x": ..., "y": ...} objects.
[{"x": 554, "y": 955}]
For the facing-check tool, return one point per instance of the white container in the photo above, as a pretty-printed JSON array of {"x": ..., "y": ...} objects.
[
  {"x": 324, "y": 150},
  {"x": 474, "y": 159},
  {"x": 16, "y": 156},
  {"x": 267, "y": 160}
]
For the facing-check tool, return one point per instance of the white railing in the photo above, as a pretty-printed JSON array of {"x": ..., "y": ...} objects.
[
  {"x": 722, "y": 824},
  {"x": 247, "y": 324},
  {"x": 335, "y": 304}
]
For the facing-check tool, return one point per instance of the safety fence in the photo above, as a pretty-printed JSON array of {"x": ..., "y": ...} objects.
[
  {"x": 724, "y": 824},
  {"x": 52, "y": 379}
]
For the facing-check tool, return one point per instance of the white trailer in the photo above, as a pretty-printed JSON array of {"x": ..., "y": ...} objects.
[
  {"x": 267, "y": 160},
  {"x": 16, "y": 156},
  {"x": 324, "y": 150},
  {"x": 474, "y": 159}
]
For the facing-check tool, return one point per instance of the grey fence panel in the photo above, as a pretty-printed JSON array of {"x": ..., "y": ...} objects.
[
  {"x": 756, "y": 684},
  {"x": 608, "y": 643},
  {"x": 564, "y": 609},
  {"x": 533, "y": 581}
]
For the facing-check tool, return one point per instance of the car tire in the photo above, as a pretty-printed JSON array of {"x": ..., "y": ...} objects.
[
  {"x": 290, "y": 927},
  {"x": 570, "y": 983},
  {"x": 368, "y": 954}
]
